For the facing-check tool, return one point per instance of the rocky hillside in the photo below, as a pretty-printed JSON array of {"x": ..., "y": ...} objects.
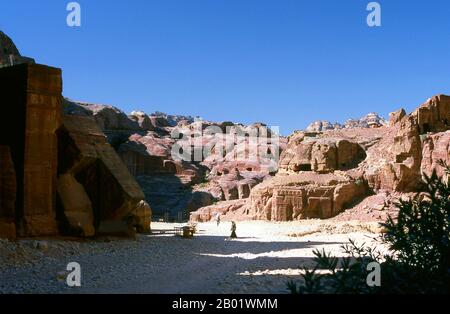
[
  {"x": 372, "y": 120},
  {"x": 365, "y": 164},
  {"x": 224, "y": 164},
  {"x": 188, "y": 167},
  {"x": 9, "y": 54},
  {"x": 362, "y": 168}
]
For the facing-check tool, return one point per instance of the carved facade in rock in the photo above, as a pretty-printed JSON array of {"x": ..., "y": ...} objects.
[
  {"x": 32, "y": 95},
  {"x": 295, "y": 197}
]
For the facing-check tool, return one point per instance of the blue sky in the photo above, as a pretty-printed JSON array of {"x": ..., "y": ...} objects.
[{"x": 282, "y": 62}]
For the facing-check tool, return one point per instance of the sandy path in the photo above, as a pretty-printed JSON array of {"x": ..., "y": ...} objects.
[{"x": 261, "y": 260}]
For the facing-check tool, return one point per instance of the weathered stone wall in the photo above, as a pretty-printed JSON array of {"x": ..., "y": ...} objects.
[
  {"x": 31, "y": 96},
  {"x": 313, "y": 195},
  {"x": 436, "y": 147},
  {"x": 58, "y": 178},
  {"x": 85, "y": 154}
]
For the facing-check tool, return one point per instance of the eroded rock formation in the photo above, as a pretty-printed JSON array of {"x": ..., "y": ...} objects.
[
  {"x": 394, "y": 163},
  {"x": 435, "y": 148},
  {"x": 78, "y": 215},
  {"x": 32, "y": 98},
  {"x": 329, "y": 168},
  {"x": 305, "y": 195},
  {"x": 9, "y": 54},
  {"x": 86, "y": 155},
  {"x": 321, "y": 154},
  {"x": 66, "y": 179},
  {"x": 371, "y": 120},
  {"x": 433, "y": 115},
  {"x": 183, "y": 163}
]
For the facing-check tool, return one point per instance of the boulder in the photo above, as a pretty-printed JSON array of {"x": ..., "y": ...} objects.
[
  {"x": 9, "y": 54},
  {"x": 396, "y": 117},
  {"x": 144, "y": 121},
  {"x": 76, "y": 206},
  {"x": 433, "y": 115},
  {"x": 322, "y": 155},
  {"x": 85, "y": 153},
  {"x": 141, "y": 216},
  {"x": 73, "y": 108},
  {"x": 436, "y": 147},
  {"x": 110, "y": 118}
]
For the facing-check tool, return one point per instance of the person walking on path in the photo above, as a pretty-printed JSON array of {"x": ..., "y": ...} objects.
[
  {"x": 218, "y": 219},
  {"x": 233, "y": 230}
]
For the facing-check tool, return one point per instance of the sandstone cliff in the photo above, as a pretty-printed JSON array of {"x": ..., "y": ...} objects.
[
  {"x": 82, "y": 169},
  {"x": 9, "y": 54},
  {"x": 222, "y": 163},
  {"x": 364, "y": 166}
]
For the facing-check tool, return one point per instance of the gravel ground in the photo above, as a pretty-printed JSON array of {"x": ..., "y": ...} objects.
[{"x": 263, "y": 258}]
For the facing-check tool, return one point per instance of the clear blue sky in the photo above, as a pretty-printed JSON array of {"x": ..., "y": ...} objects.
[{"x": 282, "y": 62}]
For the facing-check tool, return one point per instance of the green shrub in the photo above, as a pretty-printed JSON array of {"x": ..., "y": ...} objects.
[{"x": 419, "y": 239}]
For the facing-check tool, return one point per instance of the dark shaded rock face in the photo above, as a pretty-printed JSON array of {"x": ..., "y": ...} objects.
[
  {"x": 86, "y": 155},
  {"x": 57, "y": 177},
  {"x": 7, "y": 194},
  {"x": 32, "y": 96},
  {"x": 433, "y": 115},
  {"x": 9, "y": 54},
  {"x": 393, "y": 164}
]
